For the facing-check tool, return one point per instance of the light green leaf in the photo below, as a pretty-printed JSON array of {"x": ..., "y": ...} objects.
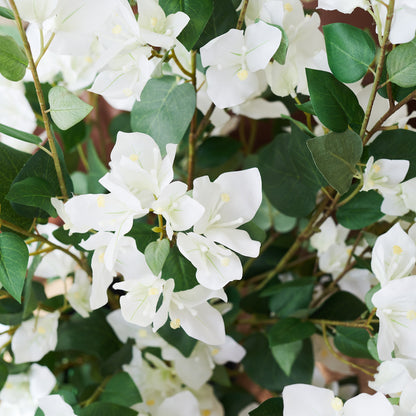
[
  {"x": 14, "y": 257},
  {"x": 164, "y": 110},
  {"x": 199, "y": 12},
  {"x": 18, "y": 134},
  {"x": 334, "y": 103},
  {"x": 350, "y": 51},
  {"x": 280, "y": 54},
  {"x": 13, "y": 60},
  {"x": 156, "y": 254},
  {"x": 336, "y": 155},
  {"x": 286, "y": 354},
  {"x": 33, "y": 192},
  {"x": 66, "y": 108},
  {"x": 401, "y": 64}
]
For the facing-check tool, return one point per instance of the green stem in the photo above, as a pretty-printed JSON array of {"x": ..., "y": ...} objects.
[
  {"x": 41, "y": 99},
  {"x": 193, "y": 135},
  {"x": 242, "y": 15},
  {"x": 379, "y": 70}
]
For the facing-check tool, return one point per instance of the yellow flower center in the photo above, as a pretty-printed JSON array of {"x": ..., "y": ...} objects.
[
  {"x": 242, "y": 74},
  {"x": 175, "y": 324},
  {"x": 397, "y": 250},
  {"x": 288, "y": 7},
  {"x": 116, "y": 29},
  {"x": 100, "y": 201},
  {"x": 337, "y": 404},
  {"x": 411, "y": 315}
]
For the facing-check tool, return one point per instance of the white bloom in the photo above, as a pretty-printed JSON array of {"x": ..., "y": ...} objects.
[
  {"x": 179, "y": 210},
  {"x": 258, "y": 108},
  {"x": 181, "y": 404},
  {"x": 396, "y": 310},
  {"x": 394, "y": 255},
  {"x": 344, "y": 6},
  {"x": 55, "y": 404},
  {"x": 21, "y": 393},
  {"x": 79, "y": 293},
  {"x": 156, "y": 28},
  {"x": 408, "y": 398},
  {"x": 36, "y": 12},
  {"x": 35, "y": 338},
  {"x": 234, "y": 59},
  {"x": 328, "y": 235}
]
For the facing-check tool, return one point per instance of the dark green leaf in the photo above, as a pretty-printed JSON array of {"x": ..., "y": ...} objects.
[
  {"x": 11, "y": 161},
  {"x": 224, "y": 17},
  {"x": 350, "y": 51},
  {"x": 115, "y": 361},
  {"x": 208, "y": 155},
  {"x": 177, "y": 267},
  {"x": 156, "y": 253},
  {"x": 142, "y": 234},
  {"x": 178, "y": 338},
  {"x": 401, "y": 64},
  {"x": 74, "y": 135},
  {"x": 306, "y": 107},
  {"x": 21, "y": 135},
  {"x": 164, "y": 110},
  {"x": 362, "y": 210},
  {"x": 6, "y": 13},
  {"x": 369, "y": 296},
  {"x": 396, "y": 144},
  {"x": 270, "y": 407},
  {"x": 106, "y": 409},
  {"x": 11, "y": 312},
  {"x": 66, "y": 108},
  {"x": 32, "y": 192},
  {"x": 352, "y": 341},
  {"x": 199, "y": 12},
  {"x": 372, "y": 348},
  {"x": 341, "y": 306},
  {"x": 3, "y": 374},
  {"x": 290, "y": 177},
  {"x": 97, "y": 170},
  {"x": 286, "y": 354},
  {"x": 63, "y": 236},
  {"x": 290, "y": 330},
  {"x": 13, "y": 60},
  {"x": 336, "y": 155},
  {"x": 14, "y": 257},
  {"x": 121, "y": 390},
  {"x": 334, "y": 103},
  {"x": 121, "y": 122}
]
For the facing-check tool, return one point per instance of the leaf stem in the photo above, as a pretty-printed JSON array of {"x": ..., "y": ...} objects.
[
  {"x": 41, "y": 99},
  {"x": 193, "y": 136}
]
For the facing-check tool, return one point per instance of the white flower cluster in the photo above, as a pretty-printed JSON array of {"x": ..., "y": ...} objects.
[{"x": 139, "y": 182}]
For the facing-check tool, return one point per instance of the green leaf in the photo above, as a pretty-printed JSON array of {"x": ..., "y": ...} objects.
[
  {"x": 270, "y": 407},
  {"x": 66, "y": 108},
  {"x": 336, "y": 155},
  {"x": 334, "y": 103},
  {"x": 178, "y": 338},
  {"x": 352, "y": 342},
  {"x": 74, "y": 135},
  {"x": 115, "y": 361},
  {"x": 286, "y": 354},
  {"x": 362, "y": 210},
  {"x": 369, "y": 296},
  {"x": 41, "y": 165},
  {"x": 142, "y": 234},
  {"x": 290, "y": 330},
  {"x": 372, "y": 348},
  {"x": 121, "y": 390},
  {"x": 14, "y": 257},
  {"x": 32, "y": 192},
  {"x": 208, "y": 155},
  {"x": 401, "y": 64},
  {"x": 106, "y": 409},
  {"x": 306, "y": 107},
  {"x": 287, "y": 298},
  {"x": 63, "y": 236},
  {"x": 396, "y": 144},
  {"x": 281, "y": 53},
  {"x": 224, "y": 17},
  {"x": 290, "y": 177},
  {"x": 11, "y": 162},
  {"x": 262, "y": 368},
  {"x": 97, "y": 170},
  {"x": 341, "y": 306},
  {"x": 13, "y": 60},
  {"x": 199, "y": 12},
  {"x": 4, "y": 372},
  {"x": 180, "y": 269},
  {"x": 156, "y": 253},
  {"x": 11, "y": 312},
  {"x": 21, "y": 135},
  {"x": 350, "y": 51},
  {"x": 6, "y": 13},
  {"x": 164, "y": 110}
]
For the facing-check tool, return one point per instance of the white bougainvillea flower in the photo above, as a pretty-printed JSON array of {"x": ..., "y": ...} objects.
[
  {"x": 137, "y": 165},
  {"x": 393, "y": 376},
  {"x": 208, "y": 402},
  {"x": 258, "y": 108},
  {"x": 384, "y": 174},
  {"x": 234, "y": 59},
  {"x": 396, "y": 310},
  {"x": 21, "y": 392},
  {"x": 344, "y": 6},
  {"x": 215, "y": 264},
  {"x": 408, "y": 399},
  {"x": 181, "y": 404},
  {"x": 358, "y": 282},
  {"x": 156, "y": 28},
  {"x": 54, "y": 404},
  {"x": 399, "y": 200},
  {"x": 394, "y": 255},
  {"x": 180, "y": 211},
  {"x": 79, "y": 293},
  {"x": 230, "y": 201},
  {"x": 35, "y": 12},
  {"x": 330, "y": 234},
  {"x": 35, "y": 338}
]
